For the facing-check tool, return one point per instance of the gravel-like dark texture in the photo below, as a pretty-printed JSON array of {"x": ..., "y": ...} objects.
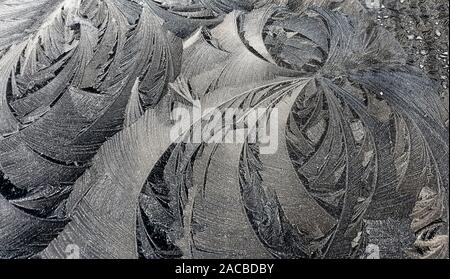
[{"x": 422, "y": 29}]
